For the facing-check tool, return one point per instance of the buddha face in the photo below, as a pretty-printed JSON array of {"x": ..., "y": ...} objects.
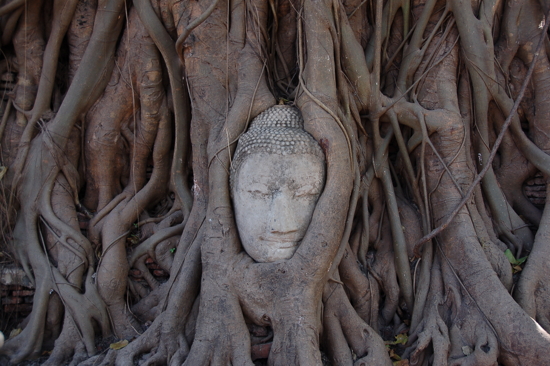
[{"x": 274, "y": 197}]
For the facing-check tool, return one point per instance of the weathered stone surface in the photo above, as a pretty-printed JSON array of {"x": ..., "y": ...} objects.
[{"x": 277, "y": 175}]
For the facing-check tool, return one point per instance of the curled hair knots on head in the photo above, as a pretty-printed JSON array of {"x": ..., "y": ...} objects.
[{"x": 277, "y": 130}]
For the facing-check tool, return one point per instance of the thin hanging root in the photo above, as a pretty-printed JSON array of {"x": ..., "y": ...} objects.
[
  {"x": 430, "y": 63},
  {"x": 371, "y": 173},
  {"x": 96, "y": 61},
  {"x": 315, "y": 99},
  {"x": 55, "y": 286},
  {"x": 67, "y": 232},
  {"x": 365, "y": 235},
  {"x": 11, "y": 25},
  {"x": 182, "y": 109},
  {"x": 426, "y": 138},
  {"x": 231, "y": 143},
  {"x": 275, "y": 44},
  {"x": 390, "y": 103},
  {"x": 422, "y": 206},
  {"x": 5, "y": 119},
  {"x": 423, "y": 286},
  {"x": 415, "y": 52},
  {"x": 496, "y": 145},
  {"x": 191, "y": 26},
  {"x": 11, "y": 6},
  {"x": 399, "y": 242},
  {"x": 63, "y": 240},
  {"x": 406, "y": 8},
  {"x": 63, "y": 14}
]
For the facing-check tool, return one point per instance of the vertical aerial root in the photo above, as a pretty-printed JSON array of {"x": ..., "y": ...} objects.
[
  {"x": 359, "y": 287},
  {"x": 384, "y": 270},
  {"x": 28, "y": 43},
  {"x": 180, "y": 96},
  {"x": 533, "y": 291},
  {"x": 432, "y": 330}
]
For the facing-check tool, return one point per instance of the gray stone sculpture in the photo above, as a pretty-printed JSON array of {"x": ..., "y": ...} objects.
[{"x": 277, "y": 175}]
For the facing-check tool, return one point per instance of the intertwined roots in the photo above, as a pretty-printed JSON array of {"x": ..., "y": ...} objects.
[{"x": 127, "y": 116}]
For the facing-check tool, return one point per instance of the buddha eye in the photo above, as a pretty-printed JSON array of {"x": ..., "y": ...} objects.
[
  {"x": 259, "y": 191},
  {"x": 307, "y": 191}
]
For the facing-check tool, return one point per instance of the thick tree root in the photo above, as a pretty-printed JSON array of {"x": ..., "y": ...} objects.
[
  {"x": 68, "y": 346},
  {"x": 533, "y": 291},
  {"x": 342, "y": 326}
]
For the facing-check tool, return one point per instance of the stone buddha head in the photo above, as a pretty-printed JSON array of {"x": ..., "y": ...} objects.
[{"x": 277, "y": 176}]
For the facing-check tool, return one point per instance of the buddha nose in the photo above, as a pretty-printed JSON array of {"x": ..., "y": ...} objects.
[{"x": 282, "y": 218}]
